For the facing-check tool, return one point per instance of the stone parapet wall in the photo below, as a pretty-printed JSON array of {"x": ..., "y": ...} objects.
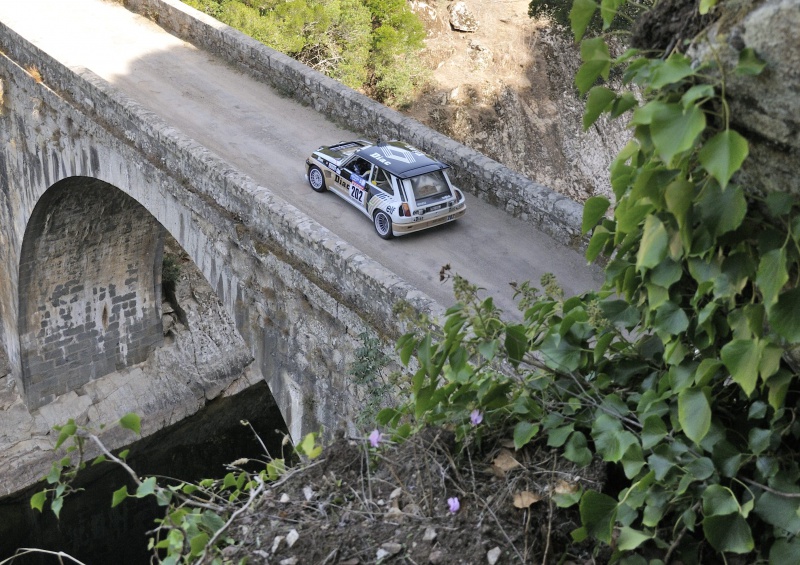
[{"x": 521, "y": 197}]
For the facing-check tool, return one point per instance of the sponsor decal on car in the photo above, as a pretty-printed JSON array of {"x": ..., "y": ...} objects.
[{"x": 358, "y": 181}]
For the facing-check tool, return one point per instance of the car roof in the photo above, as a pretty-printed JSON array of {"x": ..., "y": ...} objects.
[{"x": 400, "y": 159}]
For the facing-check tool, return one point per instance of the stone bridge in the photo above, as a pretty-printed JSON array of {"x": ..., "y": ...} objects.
[{"x": 90, "y": 184}]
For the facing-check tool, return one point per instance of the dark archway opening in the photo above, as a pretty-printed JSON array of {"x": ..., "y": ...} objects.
[{"x": 89, "y": 287}]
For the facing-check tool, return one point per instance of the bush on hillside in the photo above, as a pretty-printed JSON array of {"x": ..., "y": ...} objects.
[{"x": 365, "y": 44}]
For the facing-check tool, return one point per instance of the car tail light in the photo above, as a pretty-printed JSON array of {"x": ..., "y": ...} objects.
[{"x": 404, "y": 210}]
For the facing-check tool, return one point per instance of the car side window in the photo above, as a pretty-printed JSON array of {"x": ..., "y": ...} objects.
[
  {"x": 360, "y": 167},
  {"x": 381, "y": 179}
]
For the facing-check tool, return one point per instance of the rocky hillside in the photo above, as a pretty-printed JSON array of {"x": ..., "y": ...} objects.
[{"x": 501, "y": 83}]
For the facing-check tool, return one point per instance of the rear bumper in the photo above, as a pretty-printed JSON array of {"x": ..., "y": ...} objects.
[{"x": 411, "y": 226}]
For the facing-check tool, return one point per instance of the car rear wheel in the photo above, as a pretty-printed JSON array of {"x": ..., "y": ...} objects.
[
  {"x": 383, "y": 224},
  {"x": 316, "y": 179}
]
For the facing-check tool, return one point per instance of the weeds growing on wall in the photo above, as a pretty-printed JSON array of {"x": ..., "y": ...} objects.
[
  {"x": 679, "y": 373},
  {"x": 369, "y": 376}
]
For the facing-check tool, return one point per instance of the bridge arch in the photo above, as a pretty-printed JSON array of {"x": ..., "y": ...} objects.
[{"x": 89, "y": 287}]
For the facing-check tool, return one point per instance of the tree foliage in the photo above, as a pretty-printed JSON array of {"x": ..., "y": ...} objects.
[
  {"x": 367, "y": 44},
  {"x": 679, "y": 370}
]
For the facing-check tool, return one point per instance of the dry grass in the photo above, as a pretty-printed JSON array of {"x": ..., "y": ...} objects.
[
  {"x": 359, "y": 505},
  {"x": 34, "y": 72}
]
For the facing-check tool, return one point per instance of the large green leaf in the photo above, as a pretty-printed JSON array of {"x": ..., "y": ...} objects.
[
  {"x": 670, "y": 320},
  {"x": 119, "y": 495},
  {"x": 625, "y": 102},
  {"x": 523, "y": 433},
  {"x": 728, "y": 533},
  {"x": 598, "y": 513},
  {"x": 198, "y": 543},
  {"x": 666, "y": 273},
  {"x": 633, "y": 460},
  {"x": 675, "y": 130},
  {"x": 131, "y": 422},
  {"x": 599, "y": 100},
  {"x": 783, "y": 315},
  {"x": 630, "y": 539},
  {"x": 749, "y": 63},
  {"x": 597, "y": 243},
  {"x": 719, "y": 500},
  {"x": 772, "y": 275},
  {"x": 576, "y": 451},
  {"x": 629, "y": 213},
  {"x": 780, "y": 511},
  {"x": 697, "y": 92},
  {"x": 694, "y": 413},
  {"x": 620, "y": 313},
  {"x": 516, "y": 343},
  {"x": 653, "y": 247},
  {"x": 778, "y": 386},
  {"x": 146, "y": 488},
  {"x": 701, "y": 468},
  {"x": 580, "y": 15},
  {"x": 38, "y": 500},
  {"x": 742, "y": 357},
  {"x": 560, "y": 354},
  {"x": 593, "y": 211},
  {"x": 608, "y": 9},
  {"x": 611, "y": 446},
  {"x": 785, "y": 551},
  {"x": 653, "y": 431},
  {"x": 722, "y": 210},
  {"x": 723, "y": 155},
  {"x": 596, "y": 59},
  {"x": 676, "y": 68}
]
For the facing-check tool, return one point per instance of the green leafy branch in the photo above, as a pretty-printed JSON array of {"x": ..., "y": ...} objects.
[
  {"x": 679, "y": 371},
  {"x": 196, "y": 518}
]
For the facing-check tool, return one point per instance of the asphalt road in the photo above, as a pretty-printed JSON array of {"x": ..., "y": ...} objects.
[{"x": 268, "y": 137}]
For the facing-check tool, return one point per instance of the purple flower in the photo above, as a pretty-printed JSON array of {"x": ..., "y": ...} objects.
[
  {"x": 476, "y": 417},
  {"x": 375, "y": 438},
  {"x": 453, "y": 504}
]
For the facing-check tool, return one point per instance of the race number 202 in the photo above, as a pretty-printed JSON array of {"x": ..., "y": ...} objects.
[{"x": 356, "y": 193}]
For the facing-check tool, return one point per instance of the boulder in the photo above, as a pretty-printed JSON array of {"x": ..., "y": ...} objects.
[{"x": 461, "y": 18}]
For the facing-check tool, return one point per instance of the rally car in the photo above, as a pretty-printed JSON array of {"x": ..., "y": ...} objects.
[{"x": 400, "y": 188}]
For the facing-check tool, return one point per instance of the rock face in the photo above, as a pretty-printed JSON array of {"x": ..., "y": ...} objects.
[
  {"x": 507, "y": 91},
  {"x": 765, "y": 108}
]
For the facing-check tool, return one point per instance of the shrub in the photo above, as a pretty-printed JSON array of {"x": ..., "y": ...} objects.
[{"x": 365, "y": 44}]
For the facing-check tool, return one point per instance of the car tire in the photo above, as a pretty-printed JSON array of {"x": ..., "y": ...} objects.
[
  {"x": 383, "y": 224},
  {"x": 316, "y": 179}
]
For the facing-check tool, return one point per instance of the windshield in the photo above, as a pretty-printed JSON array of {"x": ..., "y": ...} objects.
[{"x": 428, "y": 187}]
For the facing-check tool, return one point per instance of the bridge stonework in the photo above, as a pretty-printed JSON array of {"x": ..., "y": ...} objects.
[
  {"x": 89, "y": 287},
  {"x": 89, "y": 183}
]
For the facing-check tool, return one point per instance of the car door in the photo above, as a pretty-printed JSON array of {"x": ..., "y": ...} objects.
[
  {"x": 380, "y": 190},
  {"x": 358, "y": 171}
]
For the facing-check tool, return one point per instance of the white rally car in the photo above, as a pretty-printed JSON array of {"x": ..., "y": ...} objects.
[{"x": 400, "y": 188}]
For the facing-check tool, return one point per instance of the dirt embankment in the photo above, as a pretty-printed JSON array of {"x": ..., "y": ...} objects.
[{"x": 506, "y": 89}]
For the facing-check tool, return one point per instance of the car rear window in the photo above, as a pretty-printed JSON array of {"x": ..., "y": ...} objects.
[{"x": 428, "y": 186}]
